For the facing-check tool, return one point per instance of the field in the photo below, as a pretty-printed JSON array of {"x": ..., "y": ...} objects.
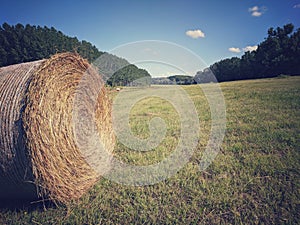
[{"x": 253, "y": 180}]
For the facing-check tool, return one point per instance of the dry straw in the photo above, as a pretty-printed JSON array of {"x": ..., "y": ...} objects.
[{"x": 39, "y": 154}]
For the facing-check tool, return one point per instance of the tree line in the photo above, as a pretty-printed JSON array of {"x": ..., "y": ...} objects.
[
  {"x": 174, "y": 80},
  {"x": 278, "y": 54},
  {"x": 130, "y": 75},
  {"x": 19, "y": 43}
]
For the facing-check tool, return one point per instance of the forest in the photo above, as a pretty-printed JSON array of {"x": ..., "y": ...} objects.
[
  {"x": 19, "y": 43},
  {"x": 278, "y": 54}
]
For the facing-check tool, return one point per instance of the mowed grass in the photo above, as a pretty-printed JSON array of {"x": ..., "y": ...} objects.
[{"x": 253, "y": 180}]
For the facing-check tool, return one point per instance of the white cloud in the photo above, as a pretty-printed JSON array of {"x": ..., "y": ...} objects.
[
  {"x": 195, "y": 34},
  {"x": 297, "y": 6},
  {"x": 253, "y": 9},
  {"x": 257, "y": 11},
  {"x": 235, "y": 50},
  {"x": 256, "y": 14},
  {"x": 250, "y": 48},
  {"x": 246, "y": 49}
]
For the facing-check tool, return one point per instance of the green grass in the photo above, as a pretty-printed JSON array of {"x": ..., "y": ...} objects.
[{"x": 253, "y": 180}]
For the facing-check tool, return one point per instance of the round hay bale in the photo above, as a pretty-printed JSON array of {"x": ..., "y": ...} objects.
[{"x": 39, "y": 153}]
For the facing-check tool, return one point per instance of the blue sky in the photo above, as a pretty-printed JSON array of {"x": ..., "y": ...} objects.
[{"x": 211, "y": 29}]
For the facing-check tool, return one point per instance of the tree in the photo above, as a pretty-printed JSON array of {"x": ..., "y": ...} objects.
[
  {"x": 130, "y": 75},
  {"x": 182, "y": 79},
  {"x": 278, "y": 54},
  {"x": 21, "y": 44}
]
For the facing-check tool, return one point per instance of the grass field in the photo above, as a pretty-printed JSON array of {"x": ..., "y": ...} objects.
[{"x": 253, "y": 180}]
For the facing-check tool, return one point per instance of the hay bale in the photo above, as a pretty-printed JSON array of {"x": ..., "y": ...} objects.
[{"x": 39, "y": 154}]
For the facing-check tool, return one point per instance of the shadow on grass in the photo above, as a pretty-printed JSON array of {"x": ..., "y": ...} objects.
[{"x": 25, "y": 204}]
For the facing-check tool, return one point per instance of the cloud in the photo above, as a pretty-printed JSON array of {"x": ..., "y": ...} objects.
[
  {"x": 235, "y": 50},
  {"x": 195, "y": 34},
  {"x": 297, "y": 6},
  {"x": 256, "y": 14},
  {"x": 253, "y": 9},
  {"x": 250, "y": 48},
  {"x": 246, "y": 49},
  {"x": 257, "y": 11}
]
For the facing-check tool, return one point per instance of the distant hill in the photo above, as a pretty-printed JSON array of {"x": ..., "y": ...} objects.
[
  {"x": 109, "y": 64},
  {"x": 19, "y": 43},
  {"x": 130, "y": 75}
]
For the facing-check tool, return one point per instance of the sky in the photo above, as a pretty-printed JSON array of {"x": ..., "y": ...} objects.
[{"x": 208, "y": 30}]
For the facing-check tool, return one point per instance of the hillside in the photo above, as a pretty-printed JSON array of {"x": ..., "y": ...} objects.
[
  {"x": 130, "y": 75},
  {"x": 21, "y": 43}
]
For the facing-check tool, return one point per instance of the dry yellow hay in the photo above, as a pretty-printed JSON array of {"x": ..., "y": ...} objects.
[{"x": 40, "y": 157}]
